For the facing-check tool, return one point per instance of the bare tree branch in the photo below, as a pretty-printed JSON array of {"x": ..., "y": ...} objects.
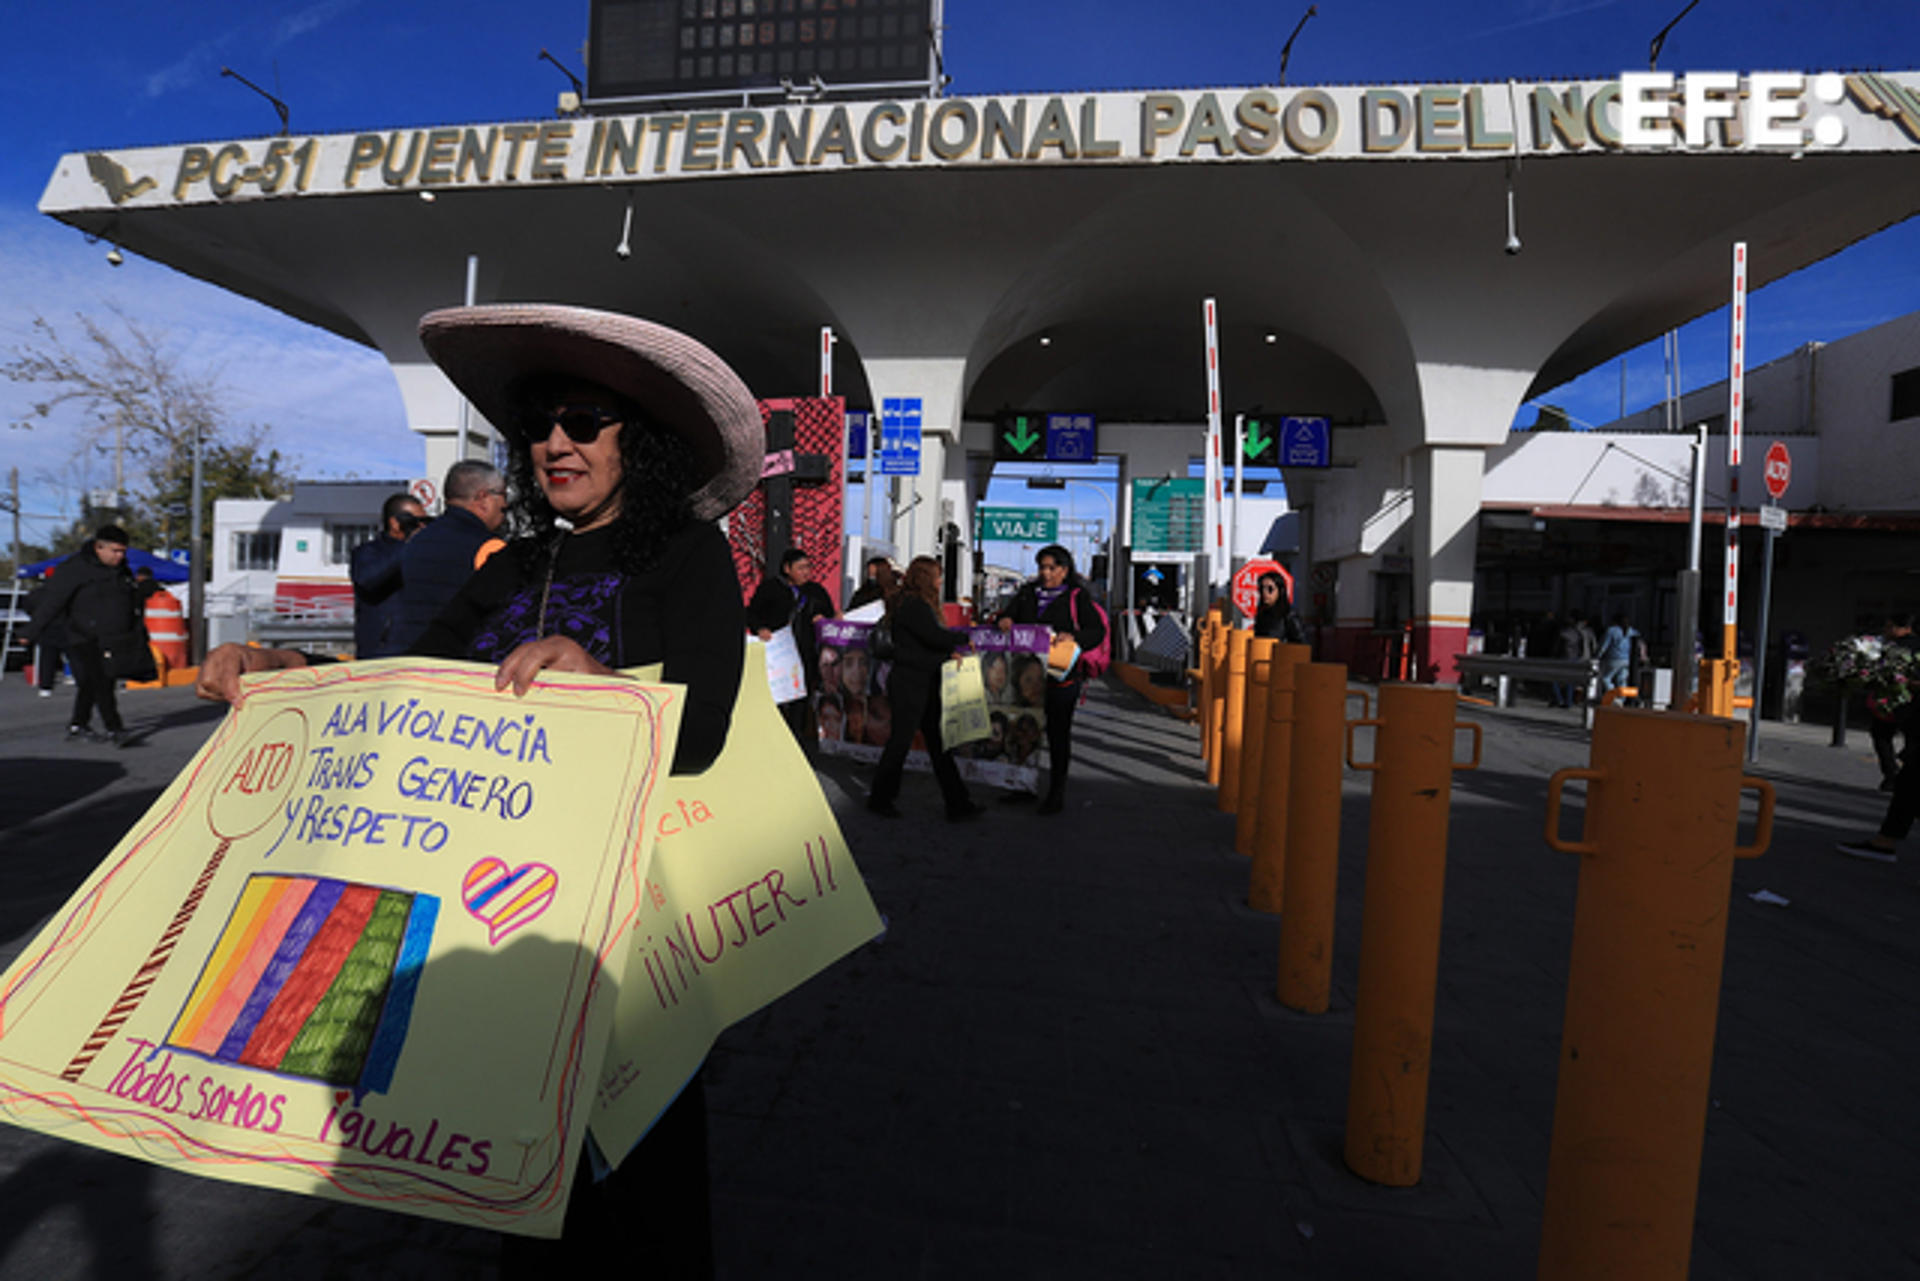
[{"x": 128, "y": 384}]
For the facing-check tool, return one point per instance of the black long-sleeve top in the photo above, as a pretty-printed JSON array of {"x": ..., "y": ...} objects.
[
  {"x": 1064, "y": 615},
  {"x": 777, "y": 602},
  {"x": 684, "y": 613},
  {"x": 920, "y": 642},
  {"x": 434, "y": 565},
  {"x": 375, "y": 571},
  {"x": 94, "y": 600}
]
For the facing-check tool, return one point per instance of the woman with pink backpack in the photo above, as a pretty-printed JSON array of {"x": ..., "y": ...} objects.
[{"x": 1058, "y": 599}]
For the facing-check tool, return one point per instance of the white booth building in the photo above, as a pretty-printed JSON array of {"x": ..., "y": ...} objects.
[{"x": 280, "y": 565}]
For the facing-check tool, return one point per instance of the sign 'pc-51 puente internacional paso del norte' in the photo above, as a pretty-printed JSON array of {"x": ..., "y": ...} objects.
[{"x": 1409, "y": 263}]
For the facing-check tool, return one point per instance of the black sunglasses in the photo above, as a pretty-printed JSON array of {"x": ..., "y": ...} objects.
[{"x": 582, "y": 423}]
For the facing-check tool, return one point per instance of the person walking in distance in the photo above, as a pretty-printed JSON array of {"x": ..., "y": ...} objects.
[
  {"x": 879, "y": 585},
  {"x": 92, "y": 595},
  {"x": 793, "y": 599},
  {"x": 1904, "y": 805},
  {"x": 1058, "y": 598},
  {"x": 1274, "y": 619},
  {"x": 921, "y": 645},
  {"x": 50, "y": 645},
  {"x": 438, "y": 560},
  {"x": 1616, "y": 652},
  {"x": 1888, "y": 726},
  {"x": 375, "y": 571}
]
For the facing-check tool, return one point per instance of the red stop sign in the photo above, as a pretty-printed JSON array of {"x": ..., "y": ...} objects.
[
  {"x": 1779, "y": 469},
  {"x": 1246, "y": 584}
]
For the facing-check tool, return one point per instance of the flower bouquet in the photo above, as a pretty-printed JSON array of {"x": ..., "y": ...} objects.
[{"x": 1887, "y": 673}]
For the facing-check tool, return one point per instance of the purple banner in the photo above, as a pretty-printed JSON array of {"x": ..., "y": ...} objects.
[{"x": 855, "y": 715}]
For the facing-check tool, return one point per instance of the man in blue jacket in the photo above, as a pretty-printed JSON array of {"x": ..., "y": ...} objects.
[
  {"x": 438, "y": 560},
  {"x": 375, "y": 571}
]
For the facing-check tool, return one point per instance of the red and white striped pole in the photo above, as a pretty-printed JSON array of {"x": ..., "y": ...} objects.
[
  {"x": 826, "y": 360},
  {"x": 1216, "y": 498},
  {"x": 1736, "y": 410}
]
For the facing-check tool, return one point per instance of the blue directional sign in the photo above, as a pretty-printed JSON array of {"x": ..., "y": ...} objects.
[
  {"x": 1071, "y": 438},
  {"x": 900, "y": 436},
  {"x": 859, "y": 423},
  {"x": 1305, "y": 442}
]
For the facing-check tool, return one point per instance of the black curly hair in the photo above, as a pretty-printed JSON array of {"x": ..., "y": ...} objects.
[{"x": 658, "y": 476}]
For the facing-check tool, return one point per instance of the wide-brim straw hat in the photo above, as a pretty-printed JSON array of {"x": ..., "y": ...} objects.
[{"x": 489, "y": 353}]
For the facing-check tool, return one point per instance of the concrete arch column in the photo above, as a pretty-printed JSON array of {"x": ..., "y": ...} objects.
[
  {"x": 942, "y": 490},
  {"x": 1465, "y": 411},
  {"x": 434, "y": 408}
]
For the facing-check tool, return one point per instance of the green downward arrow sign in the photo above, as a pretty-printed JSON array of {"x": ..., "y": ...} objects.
[
  {"x": 1257, "y": 441},
  {"x": 1023, "y": 437}
]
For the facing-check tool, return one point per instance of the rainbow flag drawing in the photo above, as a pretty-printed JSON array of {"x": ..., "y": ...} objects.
[{"x": 312, "y": 977}]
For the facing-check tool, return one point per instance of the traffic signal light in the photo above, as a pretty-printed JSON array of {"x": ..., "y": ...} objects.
[
  {"x": 1019, "y": 438},
  {"x": 1260, "y": 438}
]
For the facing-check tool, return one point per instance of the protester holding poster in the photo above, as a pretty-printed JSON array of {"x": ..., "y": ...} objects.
[
  {"x": 921, "y": 645},
  {"x": 792, "y": 599},
  {"x": 627, "y": 441},
  {"x": 856, "y": 712},
  {"x": 1058, "y": 599}
]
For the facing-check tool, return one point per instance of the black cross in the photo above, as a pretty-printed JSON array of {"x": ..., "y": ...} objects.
[{"x": 783, "y": 470}]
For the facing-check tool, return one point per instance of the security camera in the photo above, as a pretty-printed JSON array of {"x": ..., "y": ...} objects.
[
  {"x": 1513, "y": 244},
  {"x": 115, "y": 257}
]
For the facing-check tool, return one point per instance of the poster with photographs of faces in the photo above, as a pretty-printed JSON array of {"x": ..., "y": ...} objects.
[{"x": 855, "y": 715}]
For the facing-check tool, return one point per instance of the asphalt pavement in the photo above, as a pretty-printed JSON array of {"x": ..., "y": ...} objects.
[{"x": 1064, "y": 1060}]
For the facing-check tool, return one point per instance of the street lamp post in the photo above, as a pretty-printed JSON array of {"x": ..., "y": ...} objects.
[{"x": 196, "y": 565}]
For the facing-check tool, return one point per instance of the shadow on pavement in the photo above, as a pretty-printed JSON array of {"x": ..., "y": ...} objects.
[
  {"x": 109, "y": 1194},
  {"x": 193, "y": 714},
  {"x": 44, "y": 868},
  {"x": 39, "y": 785}
]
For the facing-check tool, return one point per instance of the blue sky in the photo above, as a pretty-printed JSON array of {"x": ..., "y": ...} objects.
[{"x": 91, "y": 75}]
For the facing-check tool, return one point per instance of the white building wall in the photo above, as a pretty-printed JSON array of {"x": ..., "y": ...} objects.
[
  {"x": 306, "y": 524},
  {"x": 1872, "y": 464},
  {"x": 1829, "y": 402}
]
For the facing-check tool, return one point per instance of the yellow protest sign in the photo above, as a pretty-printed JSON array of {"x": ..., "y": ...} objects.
[
  {"x": 362, "y": 947},
  {"x": 965, "y": 714},
  {"x": 751, "y": 892}
]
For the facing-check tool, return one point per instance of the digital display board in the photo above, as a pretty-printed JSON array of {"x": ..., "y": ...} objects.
[
  {"x": 659, "y": 48},
  {"x": 1169, "y": 515}
]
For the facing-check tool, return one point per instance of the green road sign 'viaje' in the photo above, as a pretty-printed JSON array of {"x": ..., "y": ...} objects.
[{"x": 1019, "y": 525}]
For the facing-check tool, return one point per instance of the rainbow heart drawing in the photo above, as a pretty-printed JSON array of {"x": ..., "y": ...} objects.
[{"x": 504, "y": 899}]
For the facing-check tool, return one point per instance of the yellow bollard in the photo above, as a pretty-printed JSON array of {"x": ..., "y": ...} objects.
[
  {"x": 1718, "y": 677},
  {"x": 1204, "y": 665},
  {"x": 1266, "y": 883},
  {"x": 1643, "y": 988},
  {"x": 1234, "y": 712},
  {"x": 1222, "y": 638},
  {"x": 1215, "y": 660},
  {"x": 1253, "y": 739},
  {"x": 1313, "y": 837},
  {"x": 1400, "y": 928}
]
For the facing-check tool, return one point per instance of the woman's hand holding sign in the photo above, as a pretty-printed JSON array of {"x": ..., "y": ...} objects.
[{"x": 550, "y": 653}]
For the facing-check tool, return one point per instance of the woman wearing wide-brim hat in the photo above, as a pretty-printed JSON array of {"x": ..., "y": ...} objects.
[{"x": 627, "y": 440}]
